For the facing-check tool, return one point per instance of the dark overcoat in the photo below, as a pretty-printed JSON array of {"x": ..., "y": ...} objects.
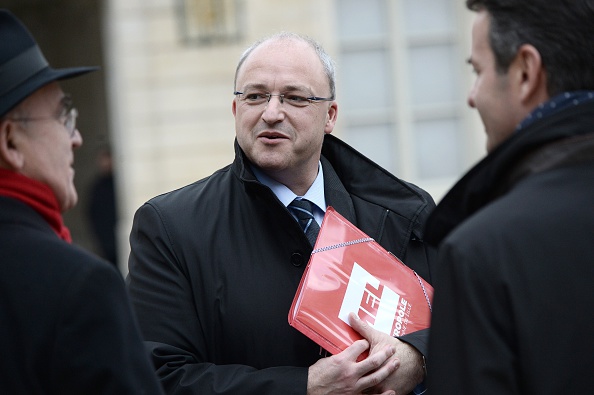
[
  {"x": 215, "y": 265},
  {"x": 66, "y": 324},
  {"x": 513, "y": 290}
]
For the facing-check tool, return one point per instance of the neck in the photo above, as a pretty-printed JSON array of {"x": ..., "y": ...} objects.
[
  {"x": 298, "y": 182},
  {"x": 38, "y": 196}
]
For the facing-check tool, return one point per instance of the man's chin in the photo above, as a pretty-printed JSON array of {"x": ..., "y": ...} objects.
[
  {"x": 270, "y": 161},
  {"x": 69, "y": 202},
  {"x": 271, "y": 167}
]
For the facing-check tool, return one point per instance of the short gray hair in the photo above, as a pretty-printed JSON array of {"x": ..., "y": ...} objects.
[{"x": 325, "y": 59}]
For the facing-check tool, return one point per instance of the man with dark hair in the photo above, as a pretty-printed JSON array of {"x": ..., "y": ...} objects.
[
  {"x": 513, "y": 288},
  {"x": 66, "y": 325}
]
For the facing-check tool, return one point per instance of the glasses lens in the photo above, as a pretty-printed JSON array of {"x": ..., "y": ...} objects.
[
  {"x": 70, "y": 122},
  {"x": 297, "y": 100},
  {"x": 256, "y": 98}
]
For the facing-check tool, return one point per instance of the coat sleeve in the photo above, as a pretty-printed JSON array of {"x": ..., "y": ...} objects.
[
  {"x": 162, "y": 296},
  {"x": 419, "y": 340},
  {"x": 471, "y": 342},
  {"x": 98, "y": 347},
  {"x": 422, "y": 258}
]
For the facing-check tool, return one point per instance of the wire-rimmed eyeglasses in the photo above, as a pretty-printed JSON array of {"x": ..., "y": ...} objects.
[
  {"x": 69, "y": 122},
  {"x": 296, "y": 100}
]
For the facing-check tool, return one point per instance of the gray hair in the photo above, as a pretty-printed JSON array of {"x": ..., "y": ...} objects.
[{"x": 325, "y": 59}]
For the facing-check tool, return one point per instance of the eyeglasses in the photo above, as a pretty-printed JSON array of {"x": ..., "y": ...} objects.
[
  {"x": 69, "y": 119},
  {"x": 296, "y": 100}
]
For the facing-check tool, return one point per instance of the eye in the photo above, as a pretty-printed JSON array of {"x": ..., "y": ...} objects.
[
  {"x": 297, "y": 100},
  {"x": 255, "y": 97}
]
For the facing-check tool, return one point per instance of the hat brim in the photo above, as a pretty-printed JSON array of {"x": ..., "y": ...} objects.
[{"x": 37, "y": 81}]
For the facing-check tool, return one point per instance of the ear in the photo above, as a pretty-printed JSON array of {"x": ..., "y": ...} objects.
[
  {"x": 11, "y": 155},
  {"x": 332, "y": 115},
  {"x": 531, "y": 76}
]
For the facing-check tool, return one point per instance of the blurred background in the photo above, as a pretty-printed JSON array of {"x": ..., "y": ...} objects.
[{"x": 158, "y": 114}]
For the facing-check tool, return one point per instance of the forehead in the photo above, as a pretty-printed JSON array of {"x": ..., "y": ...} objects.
[
  {"x": 480, "y": 34},
  {"x": 49, "y": 97},
  {"x": 282, "y": 63}
]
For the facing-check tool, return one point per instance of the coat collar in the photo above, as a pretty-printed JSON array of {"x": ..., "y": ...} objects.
[
  {"x": 481, "y": 184},
  {"x": 365, "y": 179},
  {"x": 349, "y": 173}
]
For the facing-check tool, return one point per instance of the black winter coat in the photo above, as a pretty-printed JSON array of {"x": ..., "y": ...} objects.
[
  {"x": 66, "y": 324},
  {"x": 215, "y": 265},
  {"x": 513, "y": 289}
]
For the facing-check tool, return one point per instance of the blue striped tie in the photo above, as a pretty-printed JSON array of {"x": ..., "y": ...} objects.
[{"x": 303, "y": 210}]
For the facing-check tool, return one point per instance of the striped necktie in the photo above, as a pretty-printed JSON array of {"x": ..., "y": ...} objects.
[{"x": 303, "y": 210}]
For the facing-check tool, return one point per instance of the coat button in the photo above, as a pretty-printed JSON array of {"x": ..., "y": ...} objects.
[{"x": 296, "y": 259}]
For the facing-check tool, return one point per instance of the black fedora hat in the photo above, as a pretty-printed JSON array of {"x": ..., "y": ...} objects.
[{"x": 23, "y": 68}]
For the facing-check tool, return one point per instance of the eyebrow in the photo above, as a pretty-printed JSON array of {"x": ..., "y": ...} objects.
[
  {"x": 287, "y": 88},
  {"x": 66, "y": 102}
]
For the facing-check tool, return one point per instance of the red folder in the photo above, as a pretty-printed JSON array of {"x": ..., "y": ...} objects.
[{"x": 350, "y": 272}]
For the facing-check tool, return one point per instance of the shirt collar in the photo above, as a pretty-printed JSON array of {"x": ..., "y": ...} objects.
[{"x": 556, "y": 104}]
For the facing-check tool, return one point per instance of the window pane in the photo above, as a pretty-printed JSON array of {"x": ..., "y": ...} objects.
[
  {"x": 361, "y": 19},
  {"x": 433, "y": 75},
  {"x": 365, "y": 79},
  {"x": 208, "y": 21},
  {"x": 375, "y": 142},
  {"x": 437, "y": 148},
  {"x": 428, "y": 16}
]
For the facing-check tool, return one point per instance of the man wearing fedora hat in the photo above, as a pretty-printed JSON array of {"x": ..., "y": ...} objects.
[{"x": 66, "y": 322}]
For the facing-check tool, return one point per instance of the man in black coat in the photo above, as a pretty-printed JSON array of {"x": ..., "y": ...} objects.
[
  {"x": 66, "y": 325},
  {"x": 215, "y": 265},
  {"x": 513, "y": 290}
]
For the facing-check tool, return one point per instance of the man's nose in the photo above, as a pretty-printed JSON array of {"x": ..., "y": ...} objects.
[{"x": 274, "y": 110}]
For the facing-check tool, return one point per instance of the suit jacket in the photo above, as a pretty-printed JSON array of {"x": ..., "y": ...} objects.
[
  {"x": 215, "y": 265},
  {"x": 66, "y": 322}
]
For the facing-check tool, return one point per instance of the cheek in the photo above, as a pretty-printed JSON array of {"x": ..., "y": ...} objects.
[
  {"x": 488, "y": 99},
  {"x": 245, "y": 120},
  {"x": 315, "y": 121}
]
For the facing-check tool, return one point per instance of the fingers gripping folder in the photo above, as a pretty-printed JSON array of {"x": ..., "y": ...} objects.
[{"x": 350, "y": 272}]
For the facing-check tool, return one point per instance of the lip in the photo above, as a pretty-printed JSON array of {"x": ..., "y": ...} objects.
[{"x": 272, "y": 135}]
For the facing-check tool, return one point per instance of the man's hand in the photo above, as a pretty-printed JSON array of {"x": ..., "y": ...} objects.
[
  {"x": 409, "y": 374},
  {"x": 342, "y": 374}
]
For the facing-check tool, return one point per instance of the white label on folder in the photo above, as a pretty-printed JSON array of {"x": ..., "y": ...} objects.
[{"x": 370, "y": 300}]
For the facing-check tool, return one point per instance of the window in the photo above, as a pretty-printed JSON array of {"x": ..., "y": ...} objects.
[
  {"x": 400, "y": 70},
  {"x": 204, "y": 22}
]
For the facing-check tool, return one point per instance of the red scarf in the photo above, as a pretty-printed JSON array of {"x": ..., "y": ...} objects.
[{"x": 37, "y": 195}]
